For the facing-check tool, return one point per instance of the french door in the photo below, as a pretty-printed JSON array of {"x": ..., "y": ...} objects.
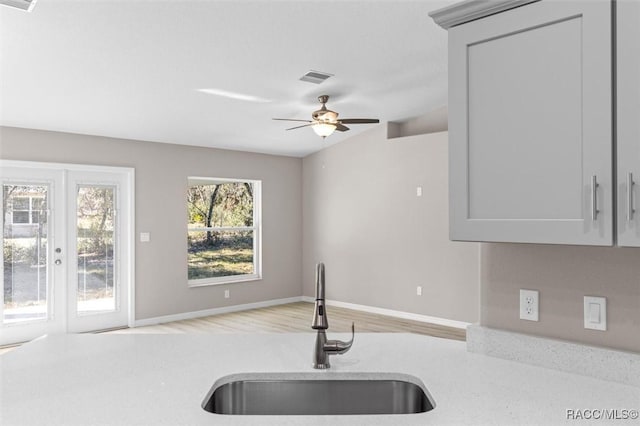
[{"x": 66, "y": 249}]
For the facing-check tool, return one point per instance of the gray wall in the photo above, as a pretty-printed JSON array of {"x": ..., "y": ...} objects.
[
  {"x": 563, "y": 275},
  {"x": 161, "y": 182},
  {"x": 377, "y": 239},
  {"x": 433, "y": 122},
  {"x": 363, "y": 219}
]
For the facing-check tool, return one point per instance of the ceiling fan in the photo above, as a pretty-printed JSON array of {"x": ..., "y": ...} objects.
[{"x": 324, "y": 121}]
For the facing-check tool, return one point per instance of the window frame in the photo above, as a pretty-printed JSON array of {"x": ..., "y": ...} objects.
[{"x": 256, "y": 229}]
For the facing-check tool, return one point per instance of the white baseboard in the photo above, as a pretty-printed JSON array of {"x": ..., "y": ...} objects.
[
  {"x": 391, "y": 313},
  {"x": 602, "y": 363},
  {"x": 214, "y": 311},
  {"x": 244, "y": 307}
]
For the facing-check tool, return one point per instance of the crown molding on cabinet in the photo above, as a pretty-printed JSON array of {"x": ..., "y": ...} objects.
[{"x": 470, "y": 10}]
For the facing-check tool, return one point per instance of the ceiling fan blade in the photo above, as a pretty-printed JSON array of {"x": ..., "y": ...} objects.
[
  {"x": 359, "y": 120},
  {"x": 341, "y": 128},
  {"x": 291, "y": 119},
  {"x": 297, "y": 127}
]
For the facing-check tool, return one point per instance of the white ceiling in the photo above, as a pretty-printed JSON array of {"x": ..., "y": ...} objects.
[{"x": 132, "y": 68}]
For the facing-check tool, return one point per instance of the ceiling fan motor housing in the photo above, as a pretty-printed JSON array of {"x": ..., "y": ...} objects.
[{"x": 323, "y": 114}]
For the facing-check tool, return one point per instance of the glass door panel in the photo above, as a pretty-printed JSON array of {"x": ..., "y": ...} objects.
[
  {"x": 66, "y": 260},
  {"x": 32, "y": 259},
  {"x": 95, "y": 242},
  {"x": 99, "y": 241},
  {"x": 25, "y": 247}
]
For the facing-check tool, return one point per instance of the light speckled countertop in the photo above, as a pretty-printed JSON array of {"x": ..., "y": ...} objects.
[{"x": 142, "y": 379}]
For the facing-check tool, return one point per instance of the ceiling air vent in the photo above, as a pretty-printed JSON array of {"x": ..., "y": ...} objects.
[
  {"x": 316, "y": 77},
  {"x": 20, "y": 4}
]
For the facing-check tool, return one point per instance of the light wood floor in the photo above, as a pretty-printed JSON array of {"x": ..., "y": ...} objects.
[{"x": 295, "y": 317}]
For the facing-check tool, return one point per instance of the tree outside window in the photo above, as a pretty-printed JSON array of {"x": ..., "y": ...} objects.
[{"x": 223, "y": 231}]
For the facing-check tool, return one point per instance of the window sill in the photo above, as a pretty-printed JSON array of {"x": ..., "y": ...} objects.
[{"x": 205, "y": 282}]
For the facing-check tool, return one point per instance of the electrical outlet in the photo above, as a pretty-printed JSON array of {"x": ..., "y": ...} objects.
[
  {"x": 226, "y": 294},
  {"x": 419, "y": 290},
  {"x": 529, "y": 305}
]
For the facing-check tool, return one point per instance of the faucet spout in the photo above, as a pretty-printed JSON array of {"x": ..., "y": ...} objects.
[
  {"x": 320, "y": 284},
  {"x": 319, "y": 313},
  {"x": 324, "y": 347}
]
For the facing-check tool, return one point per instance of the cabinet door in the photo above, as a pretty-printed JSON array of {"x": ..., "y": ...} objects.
[
  {"x": 628, "y": 121},
  {"x": 530, "y": 125}
]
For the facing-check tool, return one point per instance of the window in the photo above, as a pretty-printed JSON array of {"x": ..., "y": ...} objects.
[
  {"x": 223, "y": 231},
  {"x": 27, "y": 210}
]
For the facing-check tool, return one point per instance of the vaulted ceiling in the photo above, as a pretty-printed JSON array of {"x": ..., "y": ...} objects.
[{"x": 133, "y": 69}]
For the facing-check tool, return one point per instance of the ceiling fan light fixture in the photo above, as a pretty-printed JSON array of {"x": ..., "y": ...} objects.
[
  {"x": 323, "y": 129},
  {"x": 324, "y": 121}
]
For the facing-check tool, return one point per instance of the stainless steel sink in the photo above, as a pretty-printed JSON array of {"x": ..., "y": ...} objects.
[{"x": 318, "y": 394}]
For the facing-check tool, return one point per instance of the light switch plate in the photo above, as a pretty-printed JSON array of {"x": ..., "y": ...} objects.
[
  {"x": 595, "y": 313},
  {"x": 145, "y": 237}
]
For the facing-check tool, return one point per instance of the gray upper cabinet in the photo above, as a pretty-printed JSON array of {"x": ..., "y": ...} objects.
[
  {"x": 628, "y": 121},
  {"x": 530, "y": 124}
]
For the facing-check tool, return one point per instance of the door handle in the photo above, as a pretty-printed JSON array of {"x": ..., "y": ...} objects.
[
  {"x": 594, "y": 198},
  {"x": 630, "y": 209},
  {"x": 58, "y": 262}
]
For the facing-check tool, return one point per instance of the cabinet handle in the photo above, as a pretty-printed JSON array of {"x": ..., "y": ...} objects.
[
  {"x": 630, "y": 209},
  {"x": 594, "y": 198}
]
